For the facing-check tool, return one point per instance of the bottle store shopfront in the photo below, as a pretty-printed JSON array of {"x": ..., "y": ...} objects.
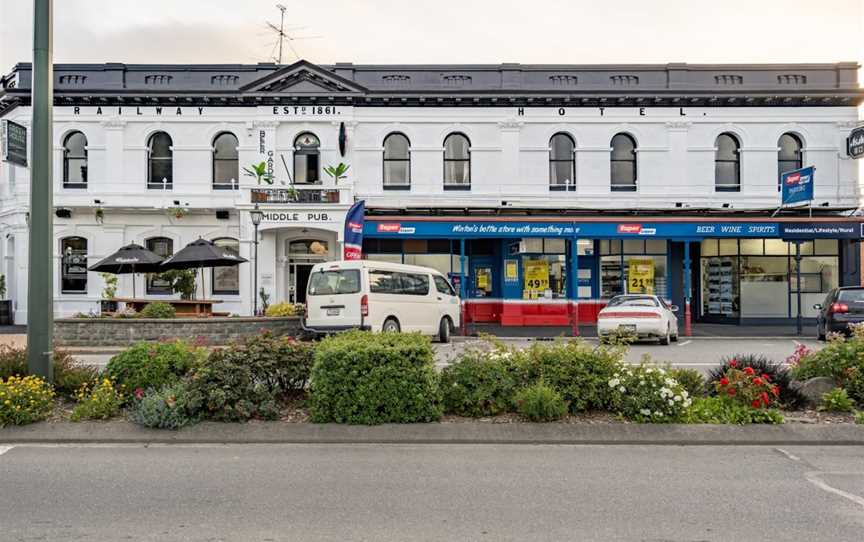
[{"x": 552, "y": 271}]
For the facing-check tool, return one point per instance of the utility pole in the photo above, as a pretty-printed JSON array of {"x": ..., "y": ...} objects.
[
  {"x": 40, "y": 297},
  {"x": 281, "y": 30}
]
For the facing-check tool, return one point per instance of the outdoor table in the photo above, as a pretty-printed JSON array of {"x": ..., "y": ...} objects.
[{"x": 184, "y": 307}]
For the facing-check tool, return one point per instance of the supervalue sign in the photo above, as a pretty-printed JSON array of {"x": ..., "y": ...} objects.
[
  {"x": 797, "y": 185},
  {"x": 855, "y": 143}
]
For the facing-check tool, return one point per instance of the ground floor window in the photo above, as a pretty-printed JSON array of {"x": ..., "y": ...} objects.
[
  {"x": 73, "y": 265},
  {"x": 633, "y": 266},
  {"x": 226, "y": 280},
  {"x": 156, "y": 283}
]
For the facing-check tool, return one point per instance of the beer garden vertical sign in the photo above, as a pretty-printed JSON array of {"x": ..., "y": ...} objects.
[{"x": 14, "y": 144}]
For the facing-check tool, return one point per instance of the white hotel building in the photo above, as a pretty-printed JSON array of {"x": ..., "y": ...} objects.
[{"x": 538, "y": 188}]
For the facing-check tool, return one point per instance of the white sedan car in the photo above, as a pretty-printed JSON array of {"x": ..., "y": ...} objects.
[{"x": 646, "y": 316}]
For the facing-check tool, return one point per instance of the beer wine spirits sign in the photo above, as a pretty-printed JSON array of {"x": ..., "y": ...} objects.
[{"x": 14, "y": 144}]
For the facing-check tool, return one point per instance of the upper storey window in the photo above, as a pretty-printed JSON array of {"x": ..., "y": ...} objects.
[
  {"x": 562, "y": 165},
  {"x": 160, "y": 162},
  {"x": 397, "y": 162},
  {"x": 727, "y": 164},
  {"x": 75, "y": 161},
  {"x": 307, "y": 158},
  {"x": 226, "y": 166},
  {"x": 623, "y": 163},
  {"x": 457, "y": 162},
  {"x": 790, "y": 156}
]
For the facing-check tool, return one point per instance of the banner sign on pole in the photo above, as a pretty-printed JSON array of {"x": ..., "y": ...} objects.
[
  {"x": 14, "y": 139},
  {"x": 354, "y": 232},
  {"x": 797, "y": 185},
  {"x": 855, "y": 143}
]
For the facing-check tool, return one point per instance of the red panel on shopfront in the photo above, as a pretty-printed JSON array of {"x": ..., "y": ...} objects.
[
  {"x": 532, "y": 314},
  {"x": 484, "y": 311}
]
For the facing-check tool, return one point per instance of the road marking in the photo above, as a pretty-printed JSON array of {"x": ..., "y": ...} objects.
[
  {"x": 813, "y": 478},
  {"x": 4, "y": 449},
  {"x": 685, "y": 343},
  {"x": 791, "y": 456}
]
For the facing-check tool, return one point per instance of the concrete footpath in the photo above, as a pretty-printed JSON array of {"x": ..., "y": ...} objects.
[{"x": 437, "y": 433}]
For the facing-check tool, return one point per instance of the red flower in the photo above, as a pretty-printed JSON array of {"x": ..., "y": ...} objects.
[
  {"x": 749, "y": 371},
  {"x": 757, "y": 381},
  {"x": 139, "y": 393},
  {"x": 724, "y": 381},
  {"x": 775, "y": 390},
  {"x": 756, "y": 403},
  {"x": 766, "y": 378},
  {"x": 765, "y": 398},
  {"x": 733, "y": 363},
  {"x": 731, "y": 391}
]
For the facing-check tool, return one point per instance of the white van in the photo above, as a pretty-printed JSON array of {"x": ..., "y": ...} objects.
[{"x": 380, "y": 296}]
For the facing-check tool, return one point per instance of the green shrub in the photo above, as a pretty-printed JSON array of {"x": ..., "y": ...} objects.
[
  {"x": 371, "y": 378},
  {"x": 647, "y": 394},
  {"x": 70, "y": 375},
  {"x": 859, "y": 418},
  {"x": 100, "y": 402},
  {"x": 777, "y": 373},
  {"x": 841, "y": 359},
  {"x": 836, "y": 400},
  {"x": 158, "y": 309},
  {"x": 25, "y": 400},
  {"x": 13, "y": 361},
  {"x": 576, "y": 370},
  {"x": 540, "y": 403},
  {"x": 153, "y": 364},
  {"x": 165, "y": 408},
  {"x": 245, "y": 380},
  {"x": 481, "y": 383},
  {"x": 722, "y": 410},
  {"x": 691, "y": 379}
]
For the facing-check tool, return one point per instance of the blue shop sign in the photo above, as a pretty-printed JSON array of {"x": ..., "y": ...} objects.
[
  {"x": 825, "y": 230},
  {"x": 585, "y": 230},
  {"x": 797, "y": 185}
]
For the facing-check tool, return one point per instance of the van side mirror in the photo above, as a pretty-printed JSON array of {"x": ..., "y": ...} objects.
[
  {"x": 818, "y": 306},
  {"x": 674, "y": 308}
]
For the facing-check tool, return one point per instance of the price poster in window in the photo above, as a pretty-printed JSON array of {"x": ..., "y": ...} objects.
[
  {"x": 536, "y": 278},
  {"x": 640, "y": 276}
]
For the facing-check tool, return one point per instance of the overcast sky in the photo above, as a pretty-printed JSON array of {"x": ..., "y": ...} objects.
[{"x": 451, "y": 31}]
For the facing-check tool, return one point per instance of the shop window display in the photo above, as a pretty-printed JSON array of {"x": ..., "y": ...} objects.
[{"x": 634, "y": 266}]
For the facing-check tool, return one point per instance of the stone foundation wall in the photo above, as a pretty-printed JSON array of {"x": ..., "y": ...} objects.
[{"x": 94, "y": 332}]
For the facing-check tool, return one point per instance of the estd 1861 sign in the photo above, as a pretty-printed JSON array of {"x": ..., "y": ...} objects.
[{"x": 855, "y": 143}]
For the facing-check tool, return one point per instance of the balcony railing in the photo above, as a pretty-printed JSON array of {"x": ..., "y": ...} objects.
[{"x": 314, "y": 195}]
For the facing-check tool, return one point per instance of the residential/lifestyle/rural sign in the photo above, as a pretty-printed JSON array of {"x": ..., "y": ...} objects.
[{"x": 14, "y": 148}]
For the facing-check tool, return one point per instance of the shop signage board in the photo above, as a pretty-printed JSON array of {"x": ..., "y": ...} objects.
[
  {"x": 14, "y": 143},
  {"x": 797, "y": 185},
  {"x": 824, "y": 230},
  {"x": 640, "y": 276},
  {"x": 855, "y": 143}
]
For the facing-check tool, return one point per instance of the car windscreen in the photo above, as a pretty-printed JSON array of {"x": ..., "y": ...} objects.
[
  {"x": 851, "y": 296},
  {"x": 632, "y": 302},
  {"x": 331, "y": 282}
]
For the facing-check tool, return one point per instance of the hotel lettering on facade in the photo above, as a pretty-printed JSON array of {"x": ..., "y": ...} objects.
[{"x": 542, "y": 190}]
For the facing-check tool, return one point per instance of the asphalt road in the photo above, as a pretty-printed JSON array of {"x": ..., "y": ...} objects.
[
  {"x": 405, "y": 492},
  {"x": 700, "y": 354}
]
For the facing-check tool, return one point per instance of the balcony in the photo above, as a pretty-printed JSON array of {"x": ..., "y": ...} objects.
[{"x": 318, "y": 194}]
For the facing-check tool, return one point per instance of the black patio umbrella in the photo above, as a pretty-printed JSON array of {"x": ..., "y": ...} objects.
[
  {"x": 200, "y": 254},
  {"x": 129, "y": 259}
]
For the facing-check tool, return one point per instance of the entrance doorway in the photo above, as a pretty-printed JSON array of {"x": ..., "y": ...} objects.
[{"x": 302, "y": 255}]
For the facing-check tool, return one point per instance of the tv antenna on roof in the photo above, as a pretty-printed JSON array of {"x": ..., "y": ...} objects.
[{"x": 285, "y": 36}]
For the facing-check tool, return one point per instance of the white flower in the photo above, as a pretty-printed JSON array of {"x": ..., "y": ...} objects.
[
  {"x": 684, "y": 394},
  {"x": 614, "y": 382},
  {"x": 670, "y": 382},
  {"x": 687, "y": 402},
  {"x": 678, "y": 398},
  {"x": 671, "y": 402},
  {"x": 616, "y": 375},
  {"x": 645, "y": 412},
  {"x": 659, "y": 414},
  {"x": 622, "y": 389},
  {"x": 641, "y": 382}
]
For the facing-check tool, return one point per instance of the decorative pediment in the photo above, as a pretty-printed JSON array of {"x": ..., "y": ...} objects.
[{"x": 303, "y": 77}]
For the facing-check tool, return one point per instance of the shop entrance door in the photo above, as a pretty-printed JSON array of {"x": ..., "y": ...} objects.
[
  {"x": 300, "y": 280},
  {"x": 483, "y": 290}
]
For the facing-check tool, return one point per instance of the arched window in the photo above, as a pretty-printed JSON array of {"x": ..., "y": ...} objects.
[
  {"x": 623, "y": 162},
  {"x": 73, "y": 265},
  {"x": 727, "y": 164},
  {"x": 562, "y": 163},
  {"x": 397, "y": 162},
  {"x": 226, "y": 280},
  {"x": 790, "y": 156},
  {"x": 457, "y": 162},
  {"x": 164, "y": 247},
  {"x": 160, "y": 162},
  {"x": 226, "y": 166},
  {"x": 75, "y": 161},
  {"x": 306, "y": 158}
]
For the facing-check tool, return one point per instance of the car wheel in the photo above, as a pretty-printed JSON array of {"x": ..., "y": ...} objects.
[
  {"x": 675, "y": 338},
  {"x": 664, "y": 340},
  {"x": 444, "y": 330},
  {"x": 391, "y": 325}
]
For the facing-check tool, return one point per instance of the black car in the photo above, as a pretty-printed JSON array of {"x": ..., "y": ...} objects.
[{"x": 842, "y": 307}]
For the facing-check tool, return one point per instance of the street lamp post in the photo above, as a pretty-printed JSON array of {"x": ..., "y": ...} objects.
[{"x": 256, "y": 215}]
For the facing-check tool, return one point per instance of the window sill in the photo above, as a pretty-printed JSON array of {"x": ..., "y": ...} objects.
[
  {"x": 624, "y": 188},
  {"x": 234, "y": 292},
  {"x": 75, "y": 186},
  {"x": 397, "y": 187},
  {"x": 160, "y": 187},
  {"x": 562, "y": 188},
  {"x": 457, "y": 187},
  {"x": 226, "y": 187},
  {"x": 727, "y": 188}
]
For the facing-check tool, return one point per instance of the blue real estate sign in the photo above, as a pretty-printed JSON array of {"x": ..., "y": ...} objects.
[{"x": 797, "y": 185}]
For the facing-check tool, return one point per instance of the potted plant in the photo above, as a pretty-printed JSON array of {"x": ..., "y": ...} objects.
[
  {"x": 177, "y": 211},
  {"x": 99, "y": 213},
  {"x": 5, "y": 304},
  {"x": 337, "y": 172},
  {"x": 109, "y": 292},
  {"x": 259, "y": 173},
  {"x": 182, "y": 282}
]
